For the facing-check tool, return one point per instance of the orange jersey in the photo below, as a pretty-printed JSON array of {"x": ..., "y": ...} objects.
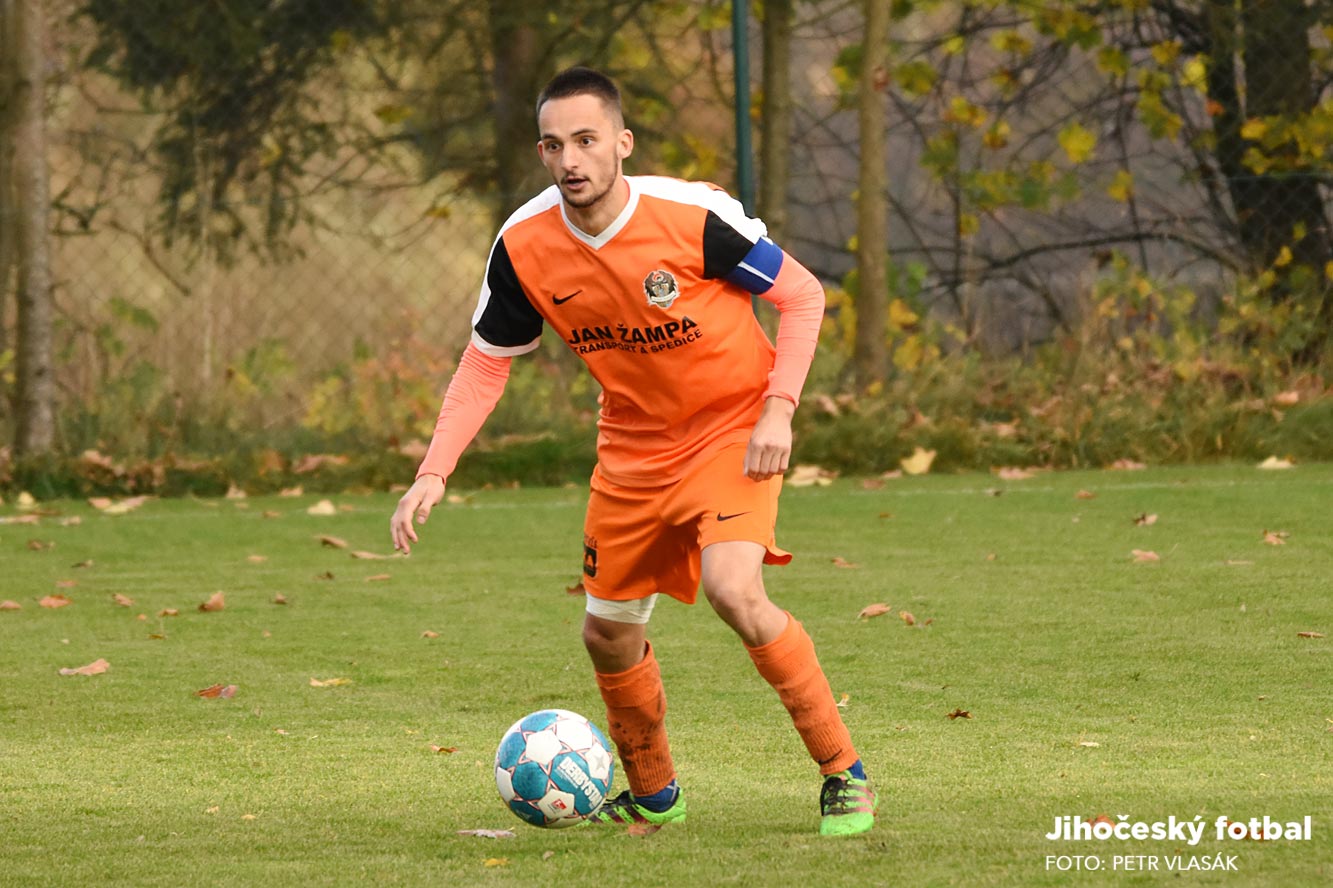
[{"x": 658, "y": 307}]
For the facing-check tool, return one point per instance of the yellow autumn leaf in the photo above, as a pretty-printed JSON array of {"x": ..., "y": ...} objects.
[
  {"x": 997, "y": 136},
  {"x": 1284, "y": 257},
  {"x": 1195, "y": 74},
  {"x": 1122, "y": 186},
  {"x": 901, "y": 316},
  {"x": 1253, "y": 129},
  {"x": 1166, "y": 52},
  {"x": 919, "y": 462},
  {"x": 1077, "y": 142}
]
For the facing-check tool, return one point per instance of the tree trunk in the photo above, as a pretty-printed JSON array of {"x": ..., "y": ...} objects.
[
  {"x": 8, "y": 246},
  {"x": 519, "y": 73},
  {"x": 35, "y": 428},
  {"x": 775, "y": 125},
  {"x": 870, "y": 355}
]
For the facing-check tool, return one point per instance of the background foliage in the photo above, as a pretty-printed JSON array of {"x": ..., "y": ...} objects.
[{"x": 1108, "y": 225}]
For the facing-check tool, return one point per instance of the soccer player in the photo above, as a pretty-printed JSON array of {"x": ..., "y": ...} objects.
[{"x": 648, "y": 279}]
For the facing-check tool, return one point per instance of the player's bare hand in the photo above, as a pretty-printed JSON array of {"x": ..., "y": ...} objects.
[
  {"x": 420, "y": 498},
  {"x": 770, "y": 443}
]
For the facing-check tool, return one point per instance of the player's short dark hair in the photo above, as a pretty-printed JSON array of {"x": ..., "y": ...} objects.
[{"x": 581, "y": 81}]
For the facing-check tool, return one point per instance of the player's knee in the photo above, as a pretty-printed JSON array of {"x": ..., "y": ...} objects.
[
  {"x": 733, "y": 594},
  {"x": 613, "y": 647}
]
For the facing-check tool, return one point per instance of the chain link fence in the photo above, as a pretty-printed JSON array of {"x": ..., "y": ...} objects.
[{"x": 275, "y": 215}]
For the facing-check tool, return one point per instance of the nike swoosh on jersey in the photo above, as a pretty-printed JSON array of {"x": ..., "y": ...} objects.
[
  {"x": 721, "y": 517},
  {"x": 559, "y": 300}
]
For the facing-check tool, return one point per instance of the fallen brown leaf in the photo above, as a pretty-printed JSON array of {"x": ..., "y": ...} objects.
[
  {"x": 122, "y": 600},
  {"x": 843, "y": 700},
  {"x": 839, "y": 561},
  {"x": 169, "y": 612},
  {"x": 256, "y": 559},
  {"x": 1126, "y": 465},
  {"x": 96, "y": 667},
  {"x": 369, "y": 556},
  {"x": 41, "y": 545},
  {"x": 919, "y": 462},
  {"x": 1085, "y": 495},
  {"x": 959, "y": 713},
  {"x": 547, "y": 855},
  {"x": 332, "y": 542},
  {"x": 878, "y": 609},
  {"x": 124, "y": 506},
  {"x": 1145, "y": 520},
  {"x": 292, "y": 491},
  {"x": 488, "y": 833},
  {"x": 1143, "y": 556},
  {"x": 217, "y": 691},
  {"x": 643, "y": 829},
  {"x": 1274, "y": 463},
  {"x": 576, "y": 589},
  {"x": 1276, "y": 537},
  {"x": 495, "y": 861},
  {"x": 54, "y": 601},
  {"x": 872, "y": 483},
  {"x": 314, "y": 461},
  {"x": 21, "y": 519},
  {"x": 443, "y": 750},
  {"x": 378, "y": 578},
  {"x": 907, "y": 618},
  {"x": 279, "y": 598},
  {"x": 271, "y": 513},
  {"x": 1309, "y": 635},
  {"x": 67, "y": 584},
  {"x": 329, "y": 682},
  {"x": 326, "y": 575},
  {"x": 8, "y": 605},
  {"x": 323, "y": 507},
  {"x": 216, "y": 602},
  {"x": 82, "y": 564},
  {"x": 810, "y": 476},
  {"x": 429, "y": 634},
  {"x": 1014, "y": 473}
]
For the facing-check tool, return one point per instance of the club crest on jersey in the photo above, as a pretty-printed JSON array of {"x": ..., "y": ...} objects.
[{"x": 661, "y": 289}]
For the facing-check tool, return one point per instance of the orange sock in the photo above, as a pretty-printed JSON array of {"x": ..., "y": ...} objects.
[
  {"x": 636, "y": 719},
  {"x": 789, "y": 664}
]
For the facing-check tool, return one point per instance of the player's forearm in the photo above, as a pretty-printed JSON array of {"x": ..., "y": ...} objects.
[
  {"x": 473, "y": 393},
  {"x": 799, "y": 299}
]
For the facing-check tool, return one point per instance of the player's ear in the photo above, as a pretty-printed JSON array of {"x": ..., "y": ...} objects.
[{"x": 625, "y": 145}]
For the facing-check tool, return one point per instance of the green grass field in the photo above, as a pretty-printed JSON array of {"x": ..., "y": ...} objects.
[{"x": 1096, "y": 685}]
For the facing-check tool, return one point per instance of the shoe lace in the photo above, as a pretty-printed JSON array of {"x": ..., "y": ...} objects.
[{"x": 834, "y": 798}]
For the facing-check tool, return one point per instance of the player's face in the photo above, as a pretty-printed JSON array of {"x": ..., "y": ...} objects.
[{"x": 582, "y": 146}]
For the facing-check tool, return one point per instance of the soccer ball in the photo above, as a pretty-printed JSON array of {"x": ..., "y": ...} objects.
[{"x": 553, "y": 768}]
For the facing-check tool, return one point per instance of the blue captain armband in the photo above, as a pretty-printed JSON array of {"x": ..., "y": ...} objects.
[{"x": 759, "y": 269}]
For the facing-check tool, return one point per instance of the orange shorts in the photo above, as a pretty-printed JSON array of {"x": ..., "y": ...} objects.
[{"x": 638, "y": 541}]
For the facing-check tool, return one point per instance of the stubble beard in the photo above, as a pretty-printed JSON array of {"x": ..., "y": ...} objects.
[{"x": 584, "y": 202}]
